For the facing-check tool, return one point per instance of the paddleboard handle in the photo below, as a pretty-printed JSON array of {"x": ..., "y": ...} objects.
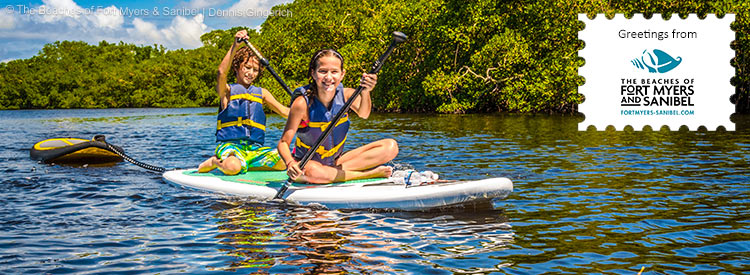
[{"x": 398, "y": 38}]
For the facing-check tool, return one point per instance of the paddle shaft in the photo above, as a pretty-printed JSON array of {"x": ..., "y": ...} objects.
[
  {"x": 267, "y": 64},
  {"x": 373, "y": 70}
]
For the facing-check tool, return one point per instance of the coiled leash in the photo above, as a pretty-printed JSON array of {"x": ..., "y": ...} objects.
[{"x": 119, "y": 152}]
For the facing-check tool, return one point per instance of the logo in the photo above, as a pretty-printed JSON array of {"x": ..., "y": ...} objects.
[
  {"x": 656, "y": 61},
  {"x": 653, "y": 72}
]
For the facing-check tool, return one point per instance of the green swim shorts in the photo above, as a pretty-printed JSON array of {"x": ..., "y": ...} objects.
[{"x": 251, "y": 155}]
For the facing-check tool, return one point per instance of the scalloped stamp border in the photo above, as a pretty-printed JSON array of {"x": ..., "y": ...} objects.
[{"x": 655, "y": 72}]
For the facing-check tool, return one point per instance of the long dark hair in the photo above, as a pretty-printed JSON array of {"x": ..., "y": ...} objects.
[{"x": 314, "y": 66}]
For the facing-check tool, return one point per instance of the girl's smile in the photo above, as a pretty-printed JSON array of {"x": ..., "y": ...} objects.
[{"x": 329, "y": 74}]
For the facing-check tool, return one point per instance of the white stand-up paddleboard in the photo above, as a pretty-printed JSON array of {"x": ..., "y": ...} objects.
[{"x": 382, "y": 193}]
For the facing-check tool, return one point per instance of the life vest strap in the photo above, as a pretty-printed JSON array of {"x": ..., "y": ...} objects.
[
  {"x": 240, "y": 122},
  {"x": 249, "y": 97},
  {"x": 322, "y": 150},
  {"x": 323, "y": 125}
]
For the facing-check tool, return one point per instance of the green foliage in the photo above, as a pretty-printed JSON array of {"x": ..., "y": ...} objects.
[
  {"x": 475, "y": 56},
  {"x": 77, "y": 75}
]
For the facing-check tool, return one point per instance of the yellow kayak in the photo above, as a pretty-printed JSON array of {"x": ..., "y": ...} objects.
[{"x": 75, "y": 150}]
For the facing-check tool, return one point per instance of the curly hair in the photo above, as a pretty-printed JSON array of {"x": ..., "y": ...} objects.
[
  {"x": 243, "y": 55},
  {"x": 314, "y": 66}
]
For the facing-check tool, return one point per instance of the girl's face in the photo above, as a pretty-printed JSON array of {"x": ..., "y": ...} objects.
[
  {"x": 328, "y": 74},
  {"x": 248, "y": 71}
]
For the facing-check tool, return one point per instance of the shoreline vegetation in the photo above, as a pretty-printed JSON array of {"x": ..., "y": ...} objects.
[{"x": 478, "y": 57}]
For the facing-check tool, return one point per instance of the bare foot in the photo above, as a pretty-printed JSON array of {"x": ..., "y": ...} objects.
[
  {"x": 208, "y": 165},
  {"x": 382, "y": 171}
]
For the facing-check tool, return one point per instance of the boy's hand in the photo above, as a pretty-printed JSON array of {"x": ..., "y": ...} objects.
[{"x": 239, "y": 36}]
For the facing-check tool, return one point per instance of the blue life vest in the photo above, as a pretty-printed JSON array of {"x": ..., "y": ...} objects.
[
  {"x": 243, "y": 118},
  {"x": 319, "y": 118}
]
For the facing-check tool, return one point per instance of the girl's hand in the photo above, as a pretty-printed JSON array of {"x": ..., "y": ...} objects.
[
  {"x": 293, "y": 170},
  {"x": 239, "y": 36},
  {"x": 368, "y": 81}
]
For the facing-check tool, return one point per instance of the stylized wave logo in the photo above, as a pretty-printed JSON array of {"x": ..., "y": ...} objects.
[{"x": 656, "y": 61}]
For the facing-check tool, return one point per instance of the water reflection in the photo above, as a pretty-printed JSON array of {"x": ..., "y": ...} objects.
[
  {"x": 316, "y": 241},
  {"x": 247, "y": 231}
]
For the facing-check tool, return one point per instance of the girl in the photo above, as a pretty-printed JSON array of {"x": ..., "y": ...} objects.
[
  {"x": 312, "y": 112},
  {"x": 241, "y": 121}
]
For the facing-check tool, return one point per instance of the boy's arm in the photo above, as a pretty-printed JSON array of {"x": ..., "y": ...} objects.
[
  {"x": 222, "y": 87},
  {"x": 274, "y": 104}
]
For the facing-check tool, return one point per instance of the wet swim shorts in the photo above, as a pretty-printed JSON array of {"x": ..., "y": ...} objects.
[{"x": 250, "y": 154}]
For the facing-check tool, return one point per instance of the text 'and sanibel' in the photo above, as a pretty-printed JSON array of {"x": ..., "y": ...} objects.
[{"x": 656, "y": 92}]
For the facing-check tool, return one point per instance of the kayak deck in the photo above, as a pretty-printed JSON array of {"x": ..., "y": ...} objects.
[{"x": 73, "y": 151}]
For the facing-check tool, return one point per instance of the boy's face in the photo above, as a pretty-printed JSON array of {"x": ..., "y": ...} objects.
[{"x": 248, "y": 71}]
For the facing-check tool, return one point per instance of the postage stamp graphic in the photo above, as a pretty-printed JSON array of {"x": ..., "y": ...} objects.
[{"x": 655, "y": 72}]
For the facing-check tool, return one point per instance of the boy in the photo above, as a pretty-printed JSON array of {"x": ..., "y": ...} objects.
[{"x": 241, "y": 121}]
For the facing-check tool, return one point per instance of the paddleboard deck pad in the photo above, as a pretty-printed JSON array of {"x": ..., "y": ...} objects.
[{"x": 379, "y": 193}]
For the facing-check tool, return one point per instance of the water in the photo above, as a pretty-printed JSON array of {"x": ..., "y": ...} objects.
[{"x": 584, "y": 202}]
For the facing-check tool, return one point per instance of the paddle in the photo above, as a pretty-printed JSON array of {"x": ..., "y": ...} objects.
[
  {"x": 267, "y": 64},
  {"x": 398, "y": 37}
]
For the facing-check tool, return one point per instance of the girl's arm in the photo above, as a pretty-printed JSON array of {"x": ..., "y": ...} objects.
[
  {"x": 222, "y": 87},
  {"x": 362, "y": 105},
  {"x": 297, "y": 113},
  {"x": 274, "y": 104}
]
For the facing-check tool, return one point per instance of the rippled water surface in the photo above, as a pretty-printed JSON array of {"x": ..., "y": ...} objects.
[{"x": 584, "y": 202}]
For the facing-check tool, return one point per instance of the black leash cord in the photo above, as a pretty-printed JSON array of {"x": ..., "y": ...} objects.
[{"x": 133, "y": 161}]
